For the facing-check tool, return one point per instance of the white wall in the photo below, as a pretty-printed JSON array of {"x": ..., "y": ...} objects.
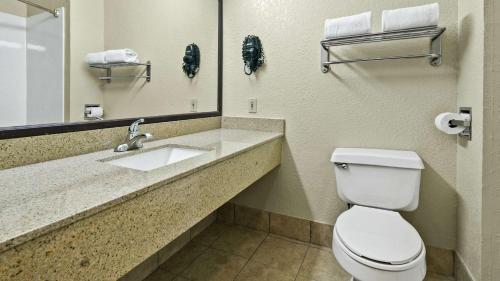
[
  {"x": 12, "y": 70},
  {"x": 45, "y": 68},
  {"x": 389, "y": 104},
  {"x": 32, "y": 69}
]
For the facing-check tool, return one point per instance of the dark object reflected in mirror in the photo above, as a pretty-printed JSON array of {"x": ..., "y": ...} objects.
[
  {"x": 191, "y": 59},
  {"x": 51, "y": 89},
  {"x": 253, "y": 54}
]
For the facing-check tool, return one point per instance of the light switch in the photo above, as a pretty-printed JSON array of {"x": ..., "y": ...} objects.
[
  {"x": 252, "y": 105},
  {"x": 194, "y": 105}
]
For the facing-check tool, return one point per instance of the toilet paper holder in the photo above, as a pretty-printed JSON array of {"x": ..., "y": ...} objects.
[
  {"x": 467, "y": 123},
  {"x": 87, "y": 111}
]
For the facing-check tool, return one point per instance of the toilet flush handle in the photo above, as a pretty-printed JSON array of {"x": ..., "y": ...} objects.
[{"x": 342, "y": 165}]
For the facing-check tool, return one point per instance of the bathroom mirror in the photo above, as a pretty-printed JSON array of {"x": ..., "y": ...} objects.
[{"x": 48, "y": 86}]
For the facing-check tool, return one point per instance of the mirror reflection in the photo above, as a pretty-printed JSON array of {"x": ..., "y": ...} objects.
[{"x": 88, "y": 60}]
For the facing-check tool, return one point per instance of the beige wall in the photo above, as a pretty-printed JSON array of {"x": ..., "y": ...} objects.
[
  {"x": 381, "y": 105},
  {"x": 13, "y": 7},
  {"x": 478, "y": 162},
  {"x": 491, "y": 161},
  {"x": 159, "y": 31},
  {"x": 87, "y": 35},
  {"x": 469, "y": 154}
]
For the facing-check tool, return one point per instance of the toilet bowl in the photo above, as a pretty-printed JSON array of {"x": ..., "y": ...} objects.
[
  {"x": 378, "y": 245},
  {"x": 371, "y": 240}
]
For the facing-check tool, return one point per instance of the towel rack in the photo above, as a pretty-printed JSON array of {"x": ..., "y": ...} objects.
[
  {"x": 55, "y": 12},
  {"x": 109, "y": 66},
  {"x": 433, "y": 32}
]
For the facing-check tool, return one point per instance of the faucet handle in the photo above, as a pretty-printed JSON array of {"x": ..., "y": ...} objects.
[{"x": 134, "y": 128}]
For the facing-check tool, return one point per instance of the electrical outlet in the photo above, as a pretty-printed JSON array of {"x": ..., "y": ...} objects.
[
  {"x": 194, "y": 105},
  {"x": 252, "y": 105}
]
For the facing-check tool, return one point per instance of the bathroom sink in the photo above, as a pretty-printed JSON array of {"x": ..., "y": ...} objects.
[{"x": 150, "y": 160}]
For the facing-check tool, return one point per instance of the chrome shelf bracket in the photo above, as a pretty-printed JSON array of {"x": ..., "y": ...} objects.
[
  {"x": 436, "y": 48},
  {"x": 325, "y": 56}
]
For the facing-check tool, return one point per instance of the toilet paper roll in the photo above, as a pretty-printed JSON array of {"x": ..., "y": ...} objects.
[
  {"x": 96, "y": 112},
  {"x": 443, "y": 123}
]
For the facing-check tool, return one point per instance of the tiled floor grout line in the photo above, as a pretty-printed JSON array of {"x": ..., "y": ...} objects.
[
  {"x": 302, "y": 263},
  {"x": 291, "y": 240},
  {"x": 201, "y": 253},
  {"x": 210, "y": 246},
  {"x": 251, "y": 256},
  {"x": 310, "y": 248},
  {"x": 235, "y": 254},
  {"x": 227, "y": 252},
  {"x": 180, "y": 274},
  {"x": 283, "y": 238},
  {"x": 269, "y": 219}
]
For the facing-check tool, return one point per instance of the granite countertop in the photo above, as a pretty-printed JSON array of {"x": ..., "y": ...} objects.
[{"x": 40, "y": 198}]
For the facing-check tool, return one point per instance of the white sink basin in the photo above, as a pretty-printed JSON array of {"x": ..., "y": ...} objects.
[{"x": 158, "y": 158}]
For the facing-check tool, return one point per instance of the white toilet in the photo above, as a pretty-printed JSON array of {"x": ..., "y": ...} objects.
[{"x": 371, "y": 240}]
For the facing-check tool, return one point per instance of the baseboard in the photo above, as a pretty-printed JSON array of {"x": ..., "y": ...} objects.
[
  {"x": 439, "y": 261},
  {"x": 462, "y": 272}
]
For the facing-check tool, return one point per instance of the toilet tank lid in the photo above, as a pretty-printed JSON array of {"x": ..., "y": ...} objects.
[{"x": 378, "y": 157}]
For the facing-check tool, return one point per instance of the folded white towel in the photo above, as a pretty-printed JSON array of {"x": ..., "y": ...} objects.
[
  {"x": 96, "y": 58},
  {"x": 421, "y": 16},
  {"x": 123, "y": 55},
  {"x": 351, "y": 25}
]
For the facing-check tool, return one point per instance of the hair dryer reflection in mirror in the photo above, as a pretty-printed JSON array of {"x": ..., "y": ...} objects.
[{"x": 191, "y": 59}]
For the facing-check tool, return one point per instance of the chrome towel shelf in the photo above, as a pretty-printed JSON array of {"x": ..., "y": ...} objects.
[
  {"x": 433, "y": 32},
  {"x": 109, "y": 66}
]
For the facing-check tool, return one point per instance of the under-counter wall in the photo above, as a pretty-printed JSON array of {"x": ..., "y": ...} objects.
[
  {"x": 389, "y": 104},
  {"x": 159, "y": 31}
]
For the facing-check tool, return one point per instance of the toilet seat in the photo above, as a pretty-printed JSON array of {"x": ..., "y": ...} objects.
[
  {"x": 367, "y": 270},
  {"x": 378, "y": 238}
]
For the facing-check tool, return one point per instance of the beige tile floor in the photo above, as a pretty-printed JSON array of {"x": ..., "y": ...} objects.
[{"x": 227, "y": 253}]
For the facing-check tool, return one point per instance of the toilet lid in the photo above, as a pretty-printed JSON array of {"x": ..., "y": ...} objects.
[{"x": 379, "y": 235}]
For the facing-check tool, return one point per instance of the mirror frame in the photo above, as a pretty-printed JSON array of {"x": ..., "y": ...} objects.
[{"x": 59, "y": 128}]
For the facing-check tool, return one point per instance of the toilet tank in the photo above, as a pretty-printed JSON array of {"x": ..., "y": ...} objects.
[{"x": 386, "y": 179}]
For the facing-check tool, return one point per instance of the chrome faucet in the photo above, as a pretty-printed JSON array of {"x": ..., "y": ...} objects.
[{"x": 134, "y": 139}]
